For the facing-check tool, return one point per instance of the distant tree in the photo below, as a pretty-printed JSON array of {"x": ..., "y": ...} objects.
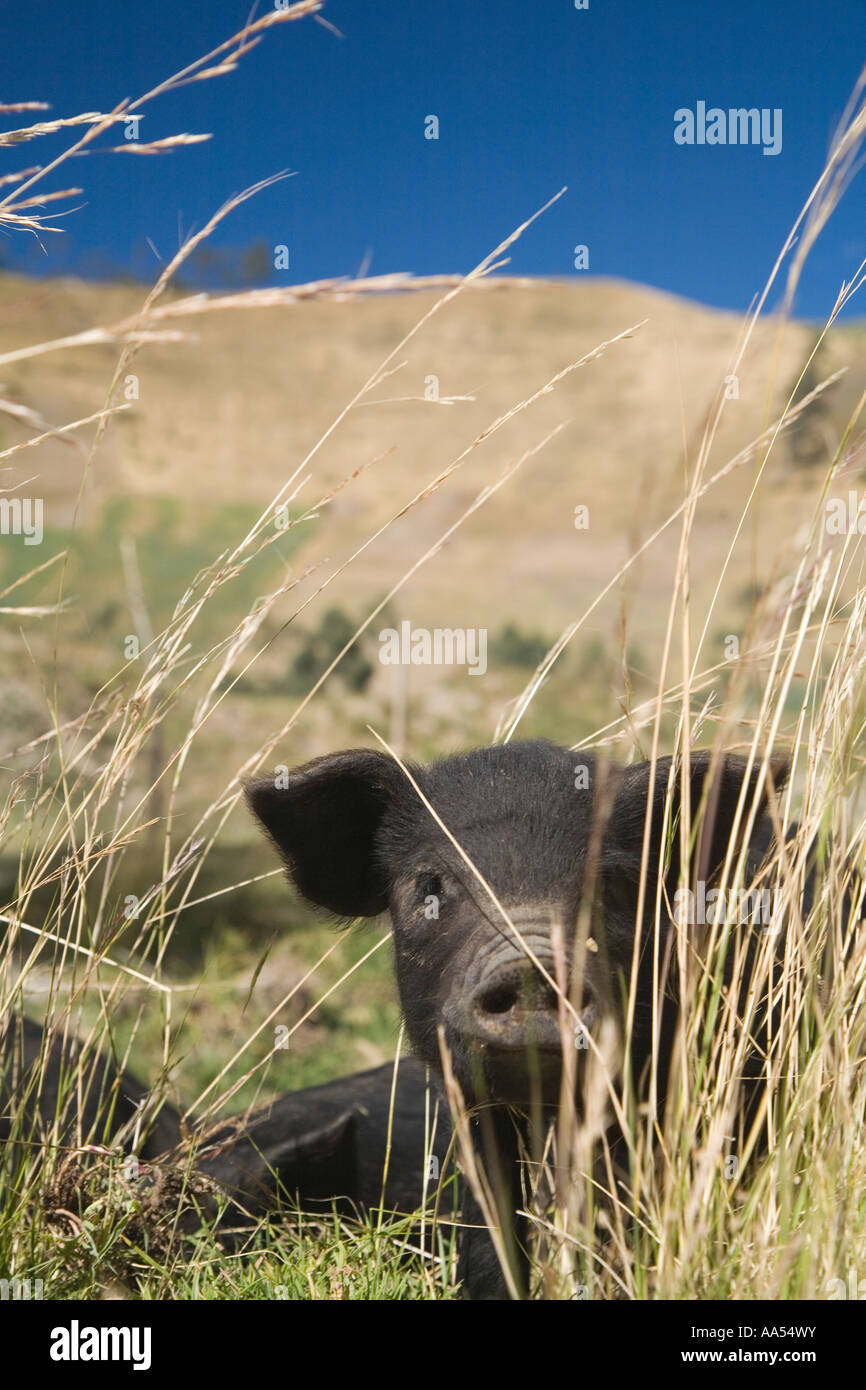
[
  {"x": 810, "y": 435},
  {"x": 229, "y": 267},
  {"x": 256, "y": 263},
  {"x": 512, "y": 647},
  {"x": 321, "y": 646}
]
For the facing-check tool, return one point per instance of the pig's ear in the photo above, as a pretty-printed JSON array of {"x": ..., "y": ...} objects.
[
  {"x": 721, "y": 782},
  {"x": 323, "y": 818}
]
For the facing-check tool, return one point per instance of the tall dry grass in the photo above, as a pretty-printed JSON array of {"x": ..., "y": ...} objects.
[{"x": 790, "y": 1216}]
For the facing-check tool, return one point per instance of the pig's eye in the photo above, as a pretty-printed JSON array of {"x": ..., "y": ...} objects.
[{"x": 429, "y": 886}]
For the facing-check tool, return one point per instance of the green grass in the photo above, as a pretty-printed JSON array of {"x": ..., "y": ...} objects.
[{"x": 117, "y": 1247}]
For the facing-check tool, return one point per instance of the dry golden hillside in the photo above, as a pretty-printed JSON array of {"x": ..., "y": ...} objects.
[{"x": 225, "y": 417}]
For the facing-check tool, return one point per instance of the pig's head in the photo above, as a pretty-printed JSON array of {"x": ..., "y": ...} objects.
[{"x": 546, "y": 832}]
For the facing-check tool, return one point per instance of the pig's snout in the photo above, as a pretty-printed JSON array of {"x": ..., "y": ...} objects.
[
  {"x": 513, "y": 1007},
  {"x": 508, "y": 1016},
  {"x": 507, "y": 1002}
]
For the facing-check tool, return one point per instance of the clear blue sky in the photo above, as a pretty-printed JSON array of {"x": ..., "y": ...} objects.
[{"x": 530, "y": 95}]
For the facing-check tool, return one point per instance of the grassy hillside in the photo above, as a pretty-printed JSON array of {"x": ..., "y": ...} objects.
[
  {"x": 140, "y": 752},
  {"x": 223, "y": 420},
  {"x": 216, "y": 425}
]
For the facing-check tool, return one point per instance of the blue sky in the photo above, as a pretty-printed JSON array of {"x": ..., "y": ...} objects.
[{"x": 529, "y": 96}]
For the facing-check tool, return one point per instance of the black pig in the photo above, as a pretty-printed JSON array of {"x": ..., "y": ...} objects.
[
  {"x": 330, "y": 1144},
  {"x": 549, "y": 831},
  {"x": 313, "y": 1147},
  {"x": 48, "y": 1080}
]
